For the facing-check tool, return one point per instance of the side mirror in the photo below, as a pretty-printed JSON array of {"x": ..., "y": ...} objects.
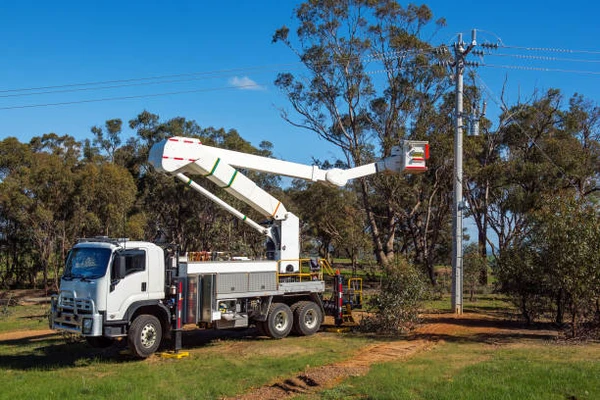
[{"x": 118, "y": 269}]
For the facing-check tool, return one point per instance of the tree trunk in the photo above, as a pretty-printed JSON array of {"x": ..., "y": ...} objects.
[
  {"x": 380, "y": 252},
  {"x": 431, "y": 271},
  {"x": 524, "y": 310},
  {"x": 560, "y": 312},
  {"x": 482, "y": 241}
]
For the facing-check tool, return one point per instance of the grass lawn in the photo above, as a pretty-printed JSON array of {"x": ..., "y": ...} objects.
[
  {"x": 38, "y": 364},
  {"x": 47, "y": 366},
  {"x": 482, "y": 303},
  {"x": 464, "y": 370},
  {"x": 24, "y": 318}
]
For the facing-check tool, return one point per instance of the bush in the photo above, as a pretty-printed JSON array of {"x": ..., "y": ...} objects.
[
  {"x": 396, "y": 307},
  {"x": 556, "y": 267}
]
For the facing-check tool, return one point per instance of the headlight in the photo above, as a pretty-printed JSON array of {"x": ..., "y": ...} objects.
[{"x": 87, "y": 325}]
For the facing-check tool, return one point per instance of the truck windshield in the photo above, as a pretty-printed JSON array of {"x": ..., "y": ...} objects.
[{"x": 87, "y": 263}]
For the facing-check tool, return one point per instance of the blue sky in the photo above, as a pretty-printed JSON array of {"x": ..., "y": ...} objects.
[{"x": 69, "y": 42}]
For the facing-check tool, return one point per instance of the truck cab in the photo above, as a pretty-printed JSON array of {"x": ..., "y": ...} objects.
[{"x": 104, "y": 283}]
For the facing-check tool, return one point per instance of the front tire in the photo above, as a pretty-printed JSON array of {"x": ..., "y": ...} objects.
[
  {"x": 279, "y": 321},
  {"x": 144, "y": 335}
]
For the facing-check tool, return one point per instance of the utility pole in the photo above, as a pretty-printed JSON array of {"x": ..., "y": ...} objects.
[{"x": 460, "y": 52}]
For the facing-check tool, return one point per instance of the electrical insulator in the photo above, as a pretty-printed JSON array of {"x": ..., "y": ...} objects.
[
  {"x": 474, "y": 131},
  {"x": 490, "y": 45}
]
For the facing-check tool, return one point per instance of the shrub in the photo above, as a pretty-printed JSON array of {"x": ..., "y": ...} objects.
[{"x": 397, "y": 304}]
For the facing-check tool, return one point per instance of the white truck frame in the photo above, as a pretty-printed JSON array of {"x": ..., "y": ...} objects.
[{"x": 115, "y": 288}]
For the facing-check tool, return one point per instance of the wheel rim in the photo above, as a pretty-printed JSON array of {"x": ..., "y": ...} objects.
[
  {"x": 281, "y": 321},
  {"x": 310, "y": 319},
  {"x": 148, "y": 336}
]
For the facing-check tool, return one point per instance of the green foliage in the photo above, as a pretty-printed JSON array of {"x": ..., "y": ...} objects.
[
  {"x": 557, "y": 268},
  {"x": 541, "y": 149},
  {"x": 332, "y": 219},
  {"x": 520, "y": 276},
  {"x": 52, "y": 197},
  {"x": 474, "y": 266},
  {"x": 396, "y": 306}
]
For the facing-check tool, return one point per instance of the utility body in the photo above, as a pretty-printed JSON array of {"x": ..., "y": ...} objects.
[{"x": 117, "y": 288}]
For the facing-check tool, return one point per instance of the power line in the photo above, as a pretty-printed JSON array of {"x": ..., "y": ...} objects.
[
  {"x": 192, "y": 76},
  {"x": 195, "y": 76},
  {"x": 550, "y": 49},
  {"x": 543, "y": 69},
  {"x": 106, "y": 87},
  {"x": 544, "y": 58},
  {"x": 249, "y": 86},
  {"x": 207, "y": 74}
]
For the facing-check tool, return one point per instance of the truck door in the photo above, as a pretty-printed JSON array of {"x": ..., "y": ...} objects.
[{"x": 132, "y": 287}]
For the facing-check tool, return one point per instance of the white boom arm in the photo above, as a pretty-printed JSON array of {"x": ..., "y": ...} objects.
[
  {"x": 179, "y": 155},
  {"x": 177, "y": 152}
]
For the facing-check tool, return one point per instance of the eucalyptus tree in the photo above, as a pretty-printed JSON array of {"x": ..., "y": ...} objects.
[
  {"x": 555, "y": 268},
  {"x": 332, "y": 220},
  {"x": 368, "y": 77},
  {"x": 15, "y": 161},
  {"x": 544, "y": 148},
  {"x": 108, "y": 139}
]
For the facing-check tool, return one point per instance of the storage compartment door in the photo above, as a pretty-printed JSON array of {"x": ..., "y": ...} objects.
[{"x": 208, "y": 302}]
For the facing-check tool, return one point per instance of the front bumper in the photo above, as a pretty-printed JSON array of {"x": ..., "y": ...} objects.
[{"x": 75, "y": 315}]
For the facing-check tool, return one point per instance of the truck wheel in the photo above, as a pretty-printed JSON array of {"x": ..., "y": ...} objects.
[
  {"x": 99, "y": 342},
  {"x": 307, "y": 318},
  {"x": 144, "y": 335},
  {"x": 294, "y": 307},
  {"x": 280, "y": 321}
]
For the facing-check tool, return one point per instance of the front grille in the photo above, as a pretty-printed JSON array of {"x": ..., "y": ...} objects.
[{"x": 68, "y": 302}]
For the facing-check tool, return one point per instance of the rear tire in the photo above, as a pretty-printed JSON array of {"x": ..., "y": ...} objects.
[
  {"x": 307, "y": 318},
  {"x": 144, "y": 335},
  {"x": 279, "y": 321}
]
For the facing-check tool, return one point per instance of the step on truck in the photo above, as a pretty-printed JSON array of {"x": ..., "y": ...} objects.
[{"x": 146, "y": 292}]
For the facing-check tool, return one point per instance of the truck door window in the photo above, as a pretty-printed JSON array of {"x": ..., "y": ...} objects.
[{"x": 135, "y": 261}]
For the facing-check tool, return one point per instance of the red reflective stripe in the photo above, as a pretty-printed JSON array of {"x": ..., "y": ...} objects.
[
  {"x": 427, "y": 151},
  {"x": 179, "y": 304},
  {"x": 173, "y": 140},
  {"x": 178, "y": 158}
]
